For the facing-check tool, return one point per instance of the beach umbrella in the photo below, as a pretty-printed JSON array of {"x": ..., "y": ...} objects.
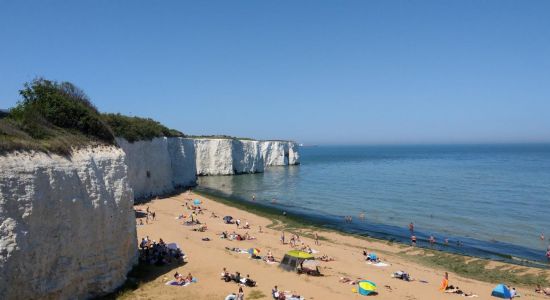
[
  {"x": 254, "y": 251},
  {"x": 365, "y": 287},
  {"x": 501, "y": 291},
  {"x": 310, "y": 264},
  {"x": 197, "y": 201},
  {"x": 300, "y": 254},
  {"x": 173, "y": 246}
]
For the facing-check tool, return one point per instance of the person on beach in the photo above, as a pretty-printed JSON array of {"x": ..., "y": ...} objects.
[
  {"x": 413, "y": 240},
  {"x": 283, "y": 237},
  {"x": 253, "y": 197},
  {"x": 240, "y": 295},
  {"x": 260, "y": 231},
  {"x": 316, "y": 239},
  {"x": 444, "y": 282},
  {"x": 238, "y": 223},
  {"x": 542, "y": 236},
  {"x": 548, "y": 254},
  {"x": 446, "y": 241},
  {"x": 275, "y": 292},
  {"x": 411, "y": 227}
]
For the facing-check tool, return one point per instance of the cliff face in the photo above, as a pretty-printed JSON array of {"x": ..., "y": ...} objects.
[
  {"x": 233, "y": 156},
  {"x": 158, "y": 166},
  {"x": 182, "y": 157},
  {"x": 149, "y": 166},
  {"x": 67, "y": 225}
]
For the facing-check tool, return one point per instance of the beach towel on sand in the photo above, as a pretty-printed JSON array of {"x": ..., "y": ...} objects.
[
  {"x": 174, "y": 282},
  {"x": 379, "y": 264}
]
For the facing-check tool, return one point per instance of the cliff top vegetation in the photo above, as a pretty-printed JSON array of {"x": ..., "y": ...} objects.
[
  {"x": 57, "y": 116},
  {"x": 136, "y": 128}
]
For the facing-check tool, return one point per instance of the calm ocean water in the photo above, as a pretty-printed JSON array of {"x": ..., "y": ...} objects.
[{"x": 495, "y": 199}]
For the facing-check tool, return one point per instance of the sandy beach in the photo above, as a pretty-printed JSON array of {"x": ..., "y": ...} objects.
[{"x": 205, "y": 260}]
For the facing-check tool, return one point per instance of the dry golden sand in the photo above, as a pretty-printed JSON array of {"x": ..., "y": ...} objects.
[{"x": 206, "y": 260}]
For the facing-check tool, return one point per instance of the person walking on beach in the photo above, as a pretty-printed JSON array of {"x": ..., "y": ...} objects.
[
  {"x": 240, "y": 295},
  {"x": 238, "y": 223},
  {"x": 283, "y": 237},
  {"x": 316, "y": 239},
  {"x": 444, "y": 282},
  {"x": 413, "y": 240}
]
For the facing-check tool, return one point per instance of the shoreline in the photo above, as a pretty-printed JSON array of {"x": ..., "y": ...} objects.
[
  {"x": 206, "y": 258},
  {"x": 271, "y": 211}
]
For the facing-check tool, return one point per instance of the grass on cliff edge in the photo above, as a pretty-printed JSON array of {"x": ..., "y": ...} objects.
[
  {"x": 465, "y": 266},
  {"x": 58, "y": 116}
]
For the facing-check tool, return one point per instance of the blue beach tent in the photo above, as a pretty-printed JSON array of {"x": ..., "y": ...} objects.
[
  {"x": 197, "y": 202},
  {"x": 501, "y": 291}
]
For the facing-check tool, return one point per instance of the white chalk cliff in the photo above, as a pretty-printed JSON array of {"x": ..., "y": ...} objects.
[
  {"x": 158, "y": 166},
  {"x": 67, "y": 225}
]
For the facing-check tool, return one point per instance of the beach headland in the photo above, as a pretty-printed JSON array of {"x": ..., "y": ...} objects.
[{"x": 205, "y": 259}]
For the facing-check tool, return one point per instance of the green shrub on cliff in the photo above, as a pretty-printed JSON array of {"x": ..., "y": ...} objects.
[
  {"x": 136, "y": 128},
  {"x": 57, "y": 116},
  {"x": 52, "y": 117},
  {"x": 48, "y": 103}
]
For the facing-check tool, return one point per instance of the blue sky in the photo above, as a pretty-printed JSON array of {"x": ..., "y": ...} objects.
[{"x": 326, "y": 72}]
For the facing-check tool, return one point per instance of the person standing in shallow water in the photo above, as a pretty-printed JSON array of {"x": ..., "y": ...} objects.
[
  {"x": 411, "y": 227},
  {"x": 432, "y": 241},
  {"x": 413, "y": 240}
]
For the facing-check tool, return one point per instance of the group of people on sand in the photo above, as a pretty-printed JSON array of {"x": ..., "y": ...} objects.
[
  {"x": 157, "y": 253},
  {"x": 182, "y": 280},
  {"x": 237, "y": 278},
  {"x": 149, "y": 216},
  {"x": 234, "y": 236}
]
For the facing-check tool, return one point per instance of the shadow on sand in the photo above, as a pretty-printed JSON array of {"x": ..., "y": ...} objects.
[{"x": 142, "y": 273}]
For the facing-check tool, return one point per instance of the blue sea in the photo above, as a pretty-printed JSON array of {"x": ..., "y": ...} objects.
[{"x": 494, "y": 199}]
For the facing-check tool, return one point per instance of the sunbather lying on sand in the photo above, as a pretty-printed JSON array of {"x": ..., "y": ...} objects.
[
  {"x": 238, "y": 250},
  {"x": 348, "y": 280},
  {"x": 545, "y": 291},
  {"x": 325, "y": 258},
  {"x": 456, "y": 290},
  {"x": 201, "y": 228},
  {"x": 402, "y": 275}
]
